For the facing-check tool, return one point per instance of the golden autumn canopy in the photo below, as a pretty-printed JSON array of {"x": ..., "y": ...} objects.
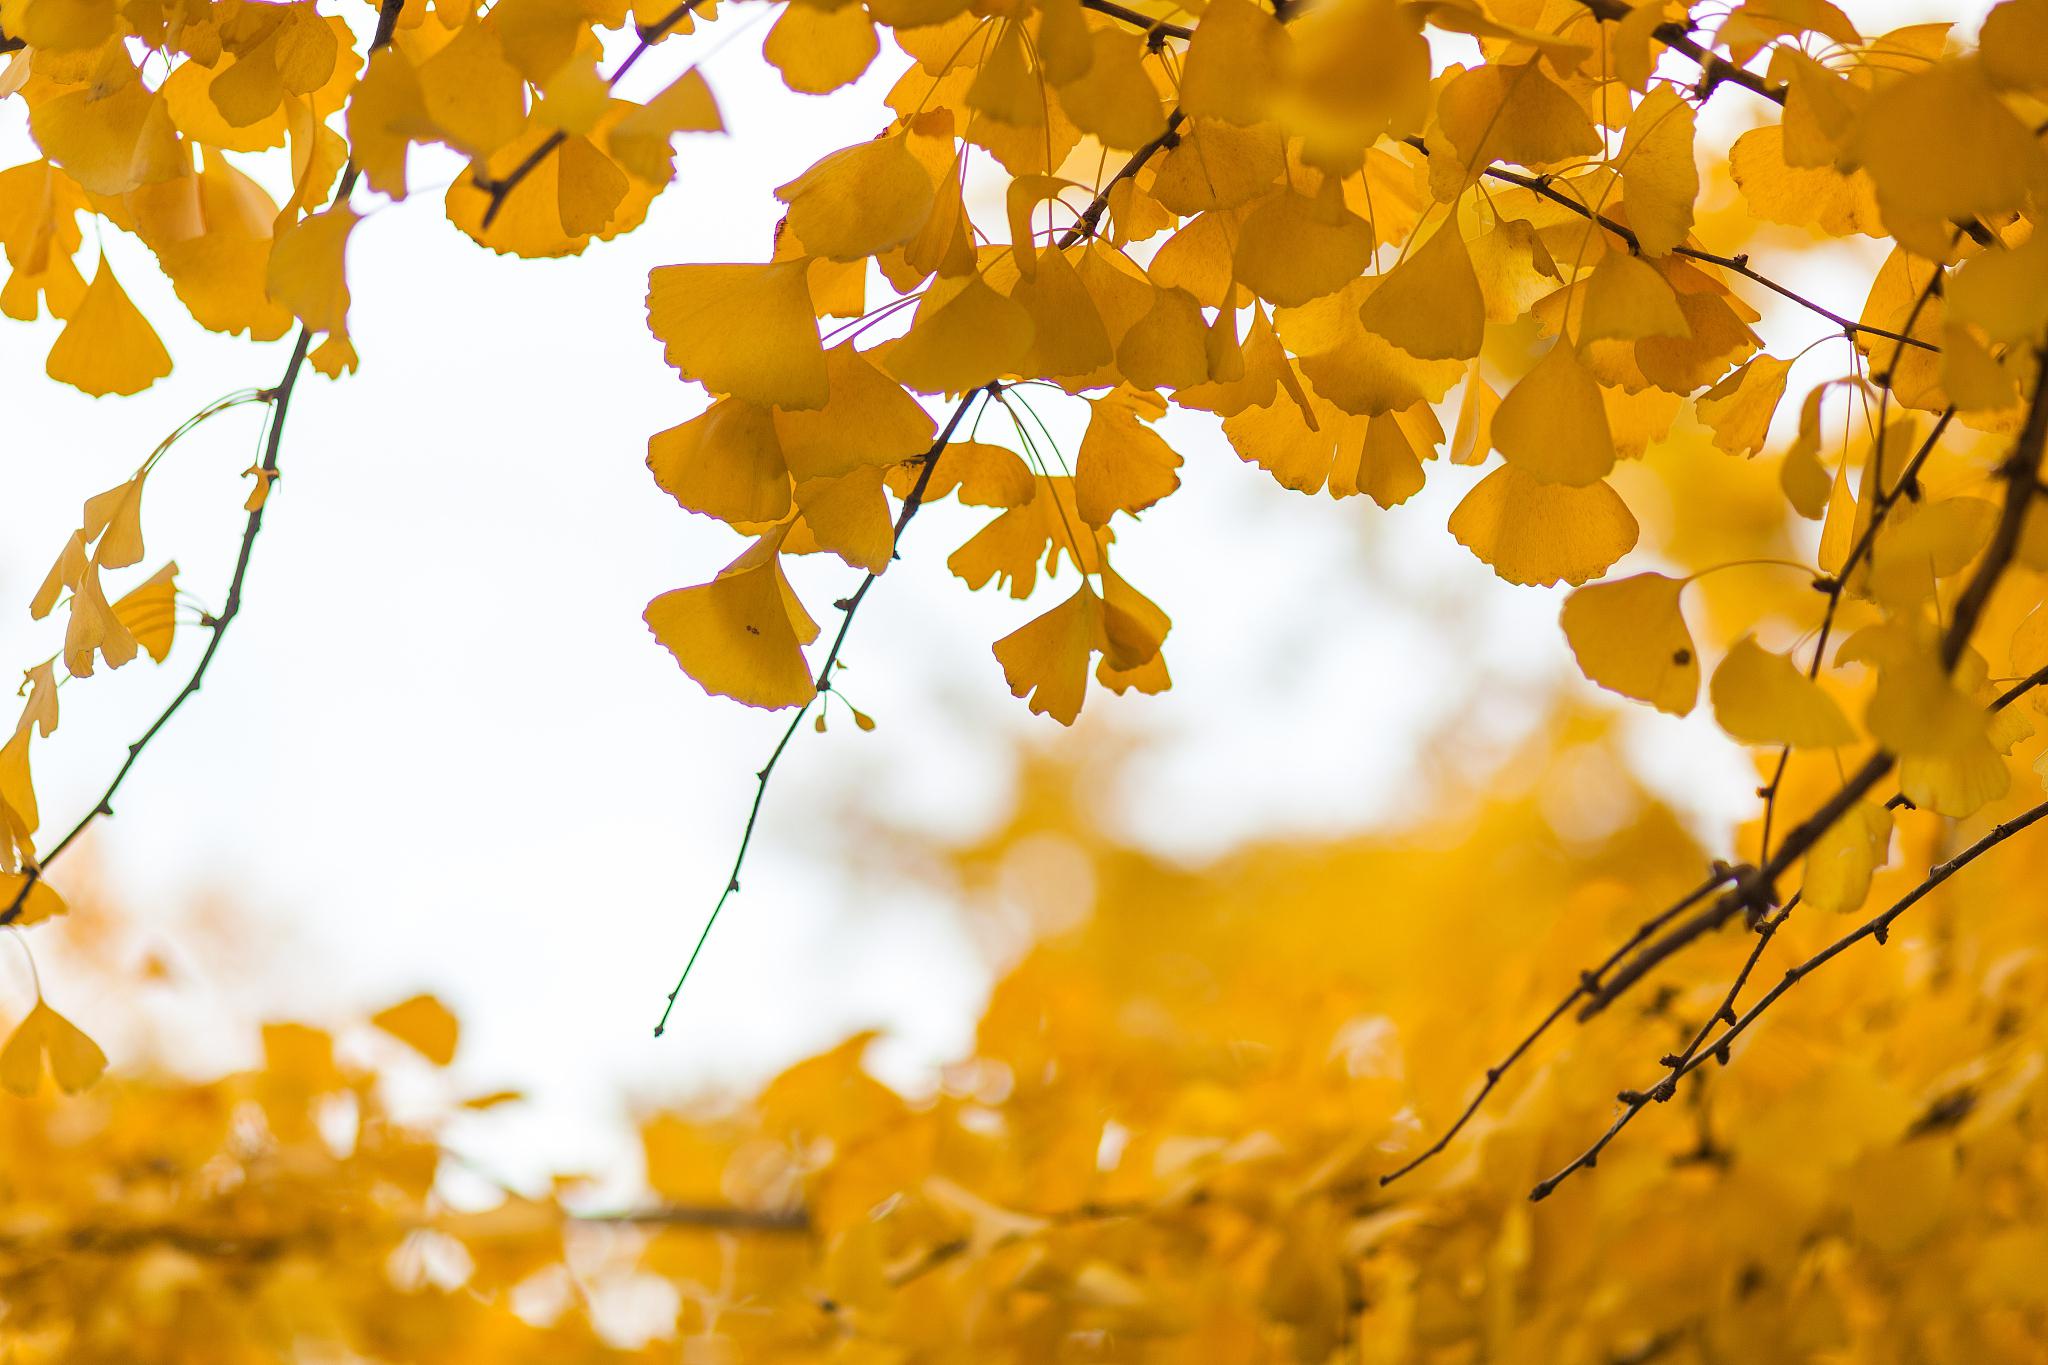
[{"x": 1725, "y": 327}]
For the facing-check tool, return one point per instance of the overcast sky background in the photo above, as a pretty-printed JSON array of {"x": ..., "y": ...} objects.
[{"x": 440, "y": 751}]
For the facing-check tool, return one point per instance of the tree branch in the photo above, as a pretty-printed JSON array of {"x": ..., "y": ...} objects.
[
  {"x": 1589, "y": 983},
  {"x": 280, "y": 399},
  {"x": 1084, "y": 227},
  {"x": 1878, "y": 928}
]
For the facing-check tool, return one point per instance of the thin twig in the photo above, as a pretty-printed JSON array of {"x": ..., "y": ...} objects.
[
  {"x": 1542, "y": 185},
  {"x": 1589, "y": 982},
  {"x": 231, "y": 606},
  {"x": 822, "y": 686},
  {"x": 1878, "y": 928},
  {"x": 1084, "y": 227}
]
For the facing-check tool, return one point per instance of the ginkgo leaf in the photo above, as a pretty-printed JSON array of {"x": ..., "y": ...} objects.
[
  {"x": 1552, "y": 425},
  {"x": 41, "y": 903},
  {"x": 860, "y": 201},
  {"x": 1761, "y": 698},
  {"x": 734, "y": 635},
  {"x": 642, "y": 140},
  {"x": 107, "y": 346},
  {"x": 306, "y": 273},
  {"x": 423, "y": 1024},
  {"x": 1627, "y": 300},
  {"x": 1740, "y": 407},
  {"x": 725, "y": 463},
  {"x": 867, "y": 420},
  {"x": 1293, "y": 248},
  {"x": 818, "y": 50},
  {"x": 1124, "y": 465},
  {"x": 1430, "y": 305},
  {"x": 2004, "y": 292},
  {"x": 1047, "y": 660},
  {"x": 1839, "y": 866},
  {"x": 1659, "y": 177},
  {"x": 112, "y": 522},
  {"x": 963, "y": 336},
  {"x": 1114, "y": 99},
  {"x": 1533, "y": 532},
  {"x": 1629, "y": 635},
  {"x": 1235, "y": 62},
  {"x": 94, "y": 628},
  {"x": 743, "y": 330},
  {"x": 149, "y": 612},
  {"x": 74, "y": 1059}
]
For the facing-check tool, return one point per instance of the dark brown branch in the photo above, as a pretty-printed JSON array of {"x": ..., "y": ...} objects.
[
  {"x": 1589, "y": 983},
  {"x": 281, "y": 401},
  {"x": 500, "y": 190},
  {"x": 713, "y": 1217},
  {"x": 1155, "y": 29},
  {"x": 1878, "y": 928},
  {"x": 1714, "y": 68}
]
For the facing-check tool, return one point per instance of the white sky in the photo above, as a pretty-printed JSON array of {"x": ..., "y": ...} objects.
[{"x": 440, "y": 751}]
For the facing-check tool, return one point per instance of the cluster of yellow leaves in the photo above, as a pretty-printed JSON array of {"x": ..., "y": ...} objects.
[
  {"x": 1164, "y": 1145},
  {"x": 1298, "y": 223},
  {"x": 142, "y": 110}
]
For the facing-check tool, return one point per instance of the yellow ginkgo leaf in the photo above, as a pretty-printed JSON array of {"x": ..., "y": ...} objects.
[
  {"x": 75, "y": 1060},
  {"x": 1047, "y": 659},
  {"x": 1626, "y": 299},
  {"x": 859, "y": 201},
  {"x": 107, "y": 346},
  {"x": 1740, "y": 407},
  {"x": 1114, "y": 99},
  {"x": 725, "y": 463},
  {"x": 867, "y": 420},
  {"x": 306, "y": 269},
  {"x": 1839, "y": 865},
  {"x": 743, "y": 330},
  {"x": 1552, "y": 425},
  {"x": 964, "y": 335},
  {"x": 1534, "y": 533},
  {"x": 1124, "y": 465},
  {"x": 1165, "y": 348},
  {"x": 2004, "y": 292},
  {"x": 847, "y": 515},
  {"x": 423, "y": 1024},
  {"x": 1629, "y": 635},
  {"x": 1430, "y": 305},
  {"x": 93, "y": 628},
  {"x": 1292, "y": 248},
  {"x": 1235, "y": 63},
  {"x": 149, "y": 612},
  {"x": 1761, "y": 698},
  {"x": 113, "y": 524},
  {"x": 1502, "y": 112},
  {"x": 41, "y": 903},
  {"x": 735, "y": 635},
  {"x": 817, "y": 50},
  {"x": 642, "y": 141},
  {"x": 1659, "y": 178}
]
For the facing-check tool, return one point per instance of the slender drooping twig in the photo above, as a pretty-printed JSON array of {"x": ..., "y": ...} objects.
[
  {"x": 1878, "y": 928},
  {"x": 1589, "y": 982},
  {"x": 1085, "y": 226},
  {"x": 280, "y": 399},
  {"x": 823, "y": 685}
]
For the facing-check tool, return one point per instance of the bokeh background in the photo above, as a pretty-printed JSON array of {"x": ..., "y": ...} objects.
[{"x": 440, "y": 751}]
